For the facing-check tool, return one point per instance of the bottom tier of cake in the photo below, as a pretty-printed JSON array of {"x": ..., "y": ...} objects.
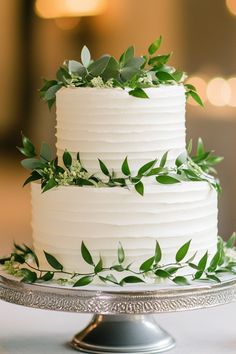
[{"x": 102, "y": 217}]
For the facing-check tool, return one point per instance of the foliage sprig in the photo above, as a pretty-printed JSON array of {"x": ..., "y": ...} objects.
[
  {"x": 46, "y": 169},
  {"x": 130, "y": 71},
  {"x": 24, "y": 263}
]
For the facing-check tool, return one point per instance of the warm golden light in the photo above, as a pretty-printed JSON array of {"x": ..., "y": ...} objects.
[
  {"x": 232, "y": 85},
  {"x": 69, "y": 8},
  {"x": 201, "y": 87},
  {"x": 218, "y": 92},
  {"x": 231, "y": 5}
]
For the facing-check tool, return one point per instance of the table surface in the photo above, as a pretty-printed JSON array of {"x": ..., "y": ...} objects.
[{"x": 30, "y": 331}]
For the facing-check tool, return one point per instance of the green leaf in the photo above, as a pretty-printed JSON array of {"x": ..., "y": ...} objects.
[
  {"x": 28, "y": 275},
  {"x": 49, "y": 185},
  {"x": 86, "y": 254},
  {"x": 138, "y": 92},
  {"x": 85, "y": 56},
  {"x": 63, "y": 75},
  {"x": 196, "y": 97},
  {"x": 198, "y": 274},
  {"x": 200, "y": 147},
  {"x": 190, "y": 87},
  {"x": 76, "y": 68},
  {"x": 32, "y": 164},
  {"x": 171, "y": 270},
  {"x": 84, "y": 281},
  {"x": 181, "y": 159},
  {"x": 183, "y": 250},
  {"x": 99, "y": 66},
  {"x": 159, "y": 60},
  {"x": 83, "y": 182},
  {"x": 215, "y": 261},
  {"x": 192, "y": 265},
  {"x": 158, "y": 253},
  {"x": 18, "y": 258},
  {"x": 125, "y": 167},
  {"x": 33, "y": 177},
  {"x": 25, "y": 152},
  {"x": 213, "y": 277},
  {"x": 231, "y": 241},
  {"x": 167, "y": 180},
  {"x": 139, "y": 187},
  {"x": 109, "y": 278},
  {"x": 99, "y": 266},
  {"x": 178, "y": 76},
  {"x": 127, "y": 55},
  {"x": 104, "y": 168},
  {"x": 164, "y": 159},
  {"x": 164, "y": 76},
  {"x": 162, "y": 273},
  {"x": 67, "y": 159},
  {"x": 111, "y": 71},
  {"x": 53, "y": 262},
  {"x": 118, "y": 268},
  {"x": 121, "y": 253},
  {"x": 47, "y": 276},
  {"x": 154, "y": 171},
  {"x": 147, "y": 265},
  {"x": 50, "y": 94},
  {"x": 131, "y": 279},
  {"x": 203, "y": 262},
  {"x": 180, "y": 280},
  {"x": 46, "y": 152},
  {"x": 154, "y": 46},
  {"x": 145, "y": 168},
  {"x": 190, "y": 146}
]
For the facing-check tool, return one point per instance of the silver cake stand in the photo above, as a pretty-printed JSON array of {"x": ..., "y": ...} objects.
[{"x": 123, "y": 320}]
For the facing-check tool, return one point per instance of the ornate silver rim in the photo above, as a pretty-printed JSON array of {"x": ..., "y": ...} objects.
[{"x": 163, "y": 300}]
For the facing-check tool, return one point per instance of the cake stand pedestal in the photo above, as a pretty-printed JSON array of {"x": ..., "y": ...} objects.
[{"x": 123, "y": 320}]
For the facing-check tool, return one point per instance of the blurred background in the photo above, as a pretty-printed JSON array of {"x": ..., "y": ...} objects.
[{"x": 37, "y": 35}]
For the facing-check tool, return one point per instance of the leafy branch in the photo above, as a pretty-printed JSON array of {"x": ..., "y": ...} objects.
[
  {"x": 46, "y": 169},
  {"x": 24, "y": 263},
  {"x": 136, "y": 73}
]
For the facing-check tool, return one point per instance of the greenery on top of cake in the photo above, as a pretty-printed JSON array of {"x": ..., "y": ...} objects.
[
  {"x": 135, "y": 73},
  {"x": 45, "y": 167},
  {"x": 24, "y": 264}
]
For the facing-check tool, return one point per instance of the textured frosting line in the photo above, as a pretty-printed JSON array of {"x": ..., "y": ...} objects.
[
  {"x": 110, "y": 124},
  {"x": 101, "y": 217}
]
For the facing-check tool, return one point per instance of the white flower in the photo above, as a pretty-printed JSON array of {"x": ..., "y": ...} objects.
[
  {"x": 98, "y": 82},
  {"x": 230, "y": 253}
]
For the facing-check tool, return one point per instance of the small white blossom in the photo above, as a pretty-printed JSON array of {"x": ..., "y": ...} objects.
[
  {"x": 230, "y": 253},
  {"x": 98, "y": 82},
  {"x": 146, "y": 80}
]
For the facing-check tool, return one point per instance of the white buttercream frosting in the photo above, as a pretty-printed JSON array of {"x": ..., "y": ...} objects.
[
  {"x": 111, "y": 124},
  {"x": 103, "y": 217}
]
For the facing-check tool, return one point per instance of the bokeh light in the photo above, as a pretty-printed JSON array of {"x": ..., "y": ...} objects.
[
  {"x": 69, "y": 8},
  {"x": 218, "y": 92},
  {"x": 231, "y": 5},
  {"x": 232, "y": 85}
]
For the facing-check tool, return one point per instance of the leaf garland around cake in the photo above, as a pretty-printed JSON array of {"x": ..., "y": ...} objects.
[
  {"x": 46, "y": 169},
  {"x": 24, "y": 264},
  {"x": 130, "y": 71}
]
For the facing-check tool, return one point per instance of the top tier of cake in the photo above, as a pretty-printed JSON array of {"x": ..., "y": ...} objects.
[{"x": 110, "y": 124}]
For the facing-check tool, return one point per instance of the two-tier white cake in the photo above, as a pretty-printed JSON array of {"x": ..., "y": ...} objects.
[{"x": 109, "y": 124}]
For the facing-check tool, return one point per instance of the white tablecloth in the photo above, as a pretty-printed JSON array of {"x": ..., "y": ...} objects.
[{"x": 30, "y": 331}]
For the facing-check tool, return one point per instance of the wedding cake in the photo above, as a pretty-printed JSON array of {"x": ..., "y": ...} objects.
[
  {"x": 112, "y": 125},
  {"x": 128, "y": 185}
]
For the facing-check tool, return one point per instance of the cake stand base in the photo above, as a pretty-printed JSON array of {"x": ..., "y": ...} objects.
[{"x": 123, "y": 334}]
